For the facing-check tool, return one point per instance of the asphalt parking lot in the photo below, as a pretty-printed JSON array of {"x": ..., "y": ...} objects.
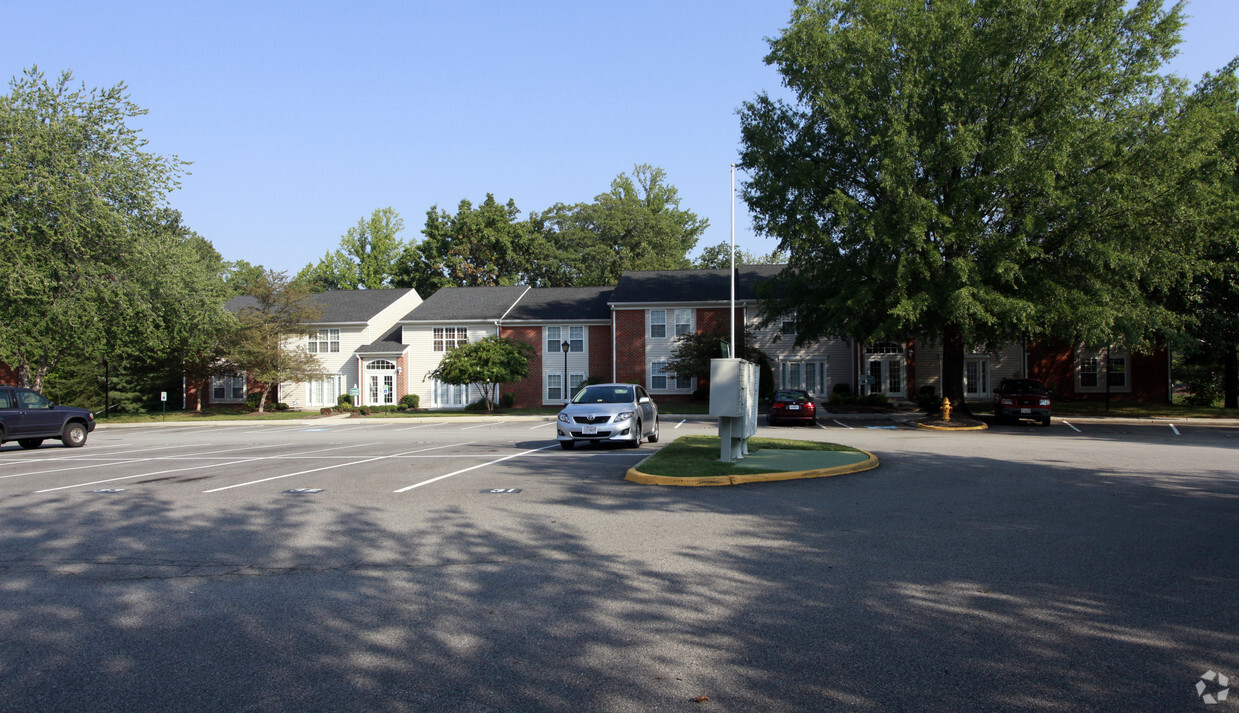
[{"x": 475, "y": 566}]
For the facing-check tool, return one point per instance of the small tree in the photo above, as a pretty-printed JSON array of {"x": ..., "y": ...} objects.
[
  {"x": 693, "y": 353},
  {"x": 280, "y": 311},
  {"x": 485, "y": 364}
]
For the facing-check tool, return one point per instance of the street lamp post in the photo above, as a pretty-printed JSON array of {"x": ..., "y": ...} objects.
[{"x": 565, "y": 347}]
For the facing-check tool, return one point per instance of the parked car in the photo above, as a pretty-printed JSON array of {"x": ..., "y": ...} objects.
[
  {"x": 28, "y": 417},
  {"x": 609, "y": 413},
  {"x": 1022, "y": 398},
  {"x": 791, "y": 405}
]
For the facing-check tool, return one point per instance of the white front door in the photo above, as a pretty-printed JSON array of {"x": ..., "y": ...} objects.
[
  {"x": 976, "y": 378},
  {"x": 382, "y": 390},
  {"x": 887, "y": 373}
]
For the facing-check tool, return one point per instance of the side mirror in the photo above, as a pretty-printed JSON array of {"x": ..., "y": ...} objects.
[{"x": 643, "y": 400}]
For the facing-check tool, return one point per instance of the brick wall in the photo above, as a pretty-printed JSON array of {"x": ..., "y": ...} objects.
[
  {"x": 600, "y": 352},
  {"x": 528, "y": 391},
  {"x": 630, "y": 346},
  {"x": 7, "y": 375},
  {"x": 1054, "y": 363}
]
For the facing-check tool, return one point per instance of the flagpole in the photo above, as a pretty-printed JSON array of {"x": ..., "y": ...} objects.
[{"x": 731, "y": 345}]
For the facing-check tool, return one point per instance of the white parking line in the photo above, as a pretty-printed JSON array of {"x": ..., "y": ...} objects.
[
  {"x": 337, "y": 465},
  {"x": 1176, "y": 431},
  {"x": 105, "y": 461},
  {"x": 424, "y": 425},
  {"x": 144, "y": 475},
  {"x": 483, "y": 425},
  {"x": 841, "y": 423},
  {"x": 681, "y": 423},
  {"x": 821, "y": 426},
  {"x": 475, "y": 467},
  {"x": 1068, "y": 425},
  {"x": 543, "y": 425}
]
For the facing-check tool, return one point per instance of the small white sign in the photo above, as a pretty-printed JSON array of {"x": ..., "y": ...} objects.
[{"x": 163, "y": 395}]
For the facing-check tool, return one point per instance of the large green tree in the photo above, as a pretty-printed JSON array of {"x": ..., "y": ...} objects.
[
  {"x": 483, "y": 245},
  {"x": 719, "y": 257},
  {"x": 976, "y": 171},
  {"x": 637, "y": 225},
  {"x": 486, "y": 364},
  {"x": 366, "y": 258},
  {"x": 267, "y": 343},
  {"x": 96, "y": 266}
]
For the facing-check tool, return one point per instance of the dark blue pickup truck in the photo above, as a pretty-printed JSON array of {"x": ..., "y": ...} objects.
[{"x": 26, "y": 416}]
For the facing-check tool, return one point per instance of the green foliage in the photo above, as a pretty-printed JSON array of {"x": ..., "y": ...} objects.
[
  {"x": 366, "y": 258},
  {"x": 410, "y": 401},
  {"x": 345, "y": 400},
  {"x": 265, "y": 343},
  {"x": 927, "y": 399},
  {"x": 974, "y": 173},
  {"x": 717, "y": 257},
  {"x": 486, "y": 364},
  {"x": 95, "y": 264},
  {"x": 508, "y": 400},
  {"x": 637, "y": 225},
  {"x": 693, "y": 352}
]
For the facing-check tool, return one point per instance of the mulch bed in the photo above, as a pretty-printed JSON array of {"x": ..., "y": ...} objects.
[{"x": 962, "y": 422}]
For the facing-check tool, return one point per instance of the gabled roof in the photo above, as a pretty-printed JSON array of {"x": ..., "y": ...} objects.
[
  {"x": 549, "y": 304},
  {"x": 653, "y": 286},
  {"x": 467, "y": 304},
  {"x": 338, "y": 306},
  {"x": 383, "y": 347}
]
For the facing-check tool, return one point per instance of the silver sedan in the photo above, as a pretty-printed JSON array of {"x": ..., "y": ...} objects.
[{"x": 609, "y": 413}]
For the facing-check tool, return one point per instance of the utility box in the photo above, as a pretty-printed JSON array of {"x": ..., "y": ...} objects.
[{"x": 733, "y": 401}]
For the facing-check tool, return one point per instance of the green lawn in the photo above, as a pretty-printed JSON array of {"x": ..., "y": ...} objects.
[{"x": 697, "y": 456}]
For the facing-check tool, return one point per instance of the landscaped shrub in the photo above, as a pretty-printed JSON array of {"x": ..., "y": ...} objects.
[
  {"x": 877, "y": 400},
  {"x": 840, "y": 389},
  {"x": 507, "y": 400},
  {"x": 251, "y": 401},
  {"x": 344, "y": 400},
  {"x": 325, "y": 411},
  {"x": 479, "y": 405},
  {"x": 363, "y": 410},
  {"x": 927, "y": 398},
  {"x": 410, "y": 401}
]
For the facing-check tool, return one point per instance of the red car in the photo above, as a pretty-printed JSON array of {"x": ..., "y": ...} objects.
[
  {"x": 791, "y": 405},
  {"x": 1022, "y": 398}
]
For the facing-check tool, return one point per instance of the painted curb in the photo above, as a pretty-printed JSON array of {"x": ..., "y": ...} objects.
[
  {"x": 637, "y": 476},
  {"x": 982, "y": 427}
]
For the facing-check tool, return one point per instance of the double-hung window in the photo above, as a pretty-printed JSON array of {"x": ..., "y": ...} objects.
[
  {"x": 661, "y": 379},
  {"x": 228, "y": 387},
  {"x": 683, "y": 322},
  {"x": 324, "y": 341},
  {"x": 448, "y": 338},
  {"x": 1097, "y": 370},
  {"x": 555, "y": 337},
  {"x": 658, "y": 323}
]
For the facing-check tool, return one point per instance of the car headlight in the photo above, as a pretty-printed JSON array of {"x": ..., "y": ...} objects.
[
  {"x": 1007, "y": 402},
  {"x": 1045, "y": 402},
  {"x": 623, "y": 415},
  {"x": 563, "y": 418}
]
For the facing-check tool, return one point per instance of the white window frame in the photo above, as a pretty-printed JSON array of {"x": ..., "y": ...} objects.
[
  {"x": 233, "y": 387},
  {"x": 457, "y": 396},
  {"x": 324, "y": 392},
  {"x": 558, "y": 396},
  {"x": 1091, "y": 366},
  {"x": 324, "y": 341},
  {"x": 658, "y": 324},
  {"x": 672, "y": 382},
  {"x": 445, "y": 339},
  {"x": 576, "y": 340},
  {"x": 683, "y": 322}
]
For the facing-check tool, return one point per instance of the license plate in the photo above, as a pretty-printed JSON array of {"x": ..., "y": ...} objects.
[
  {"x": 1025, "y": 410},
  {"x": 589, "y": 430},
  {"x": 793, "y": 407}
]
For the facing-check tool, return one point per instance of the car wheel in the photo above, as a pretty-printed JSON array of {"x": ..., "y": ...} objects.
[
  {"x": 567, "y": 445},
  {"x": 1045, "y": 421},
  {"x": 636, "y": 442},
  {"x": 29, "y": 443},
  {"x": 771, "y": 422},
  {"x": 654, "y": 435},
  {"x": 74, "y": 435}
]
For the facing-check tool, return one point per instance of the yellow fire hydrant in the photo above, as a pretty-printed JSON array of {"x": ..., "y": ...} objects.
[{"x": 946, "y": 409}]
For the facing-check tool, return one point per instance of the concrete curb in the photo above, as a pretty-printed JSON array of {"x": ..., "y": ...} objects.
[
  {"x": 637, "y": 476},
  {"x": 982, "y": 427}
]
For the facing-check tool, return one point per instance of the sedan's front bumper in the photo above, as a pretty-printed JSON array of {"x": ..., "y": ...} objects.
[{"x": 619, "y": 432}]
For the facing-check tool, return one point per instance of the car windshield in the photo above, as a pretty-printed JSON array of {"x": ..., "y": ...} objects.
[
  {"x": 1022, "y": 386},
  {"x": 604, "y": 395},
  {"x": 789, "y": 395}
]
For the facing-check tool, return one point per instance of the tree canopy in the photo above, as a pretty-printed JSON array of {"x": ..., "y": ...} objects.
[
  {"x": 486, "y": 364},
  {"x": 96, "y": 265},
  {"x": 973, "y": 172},
  {"x": 366, "y": 258}
]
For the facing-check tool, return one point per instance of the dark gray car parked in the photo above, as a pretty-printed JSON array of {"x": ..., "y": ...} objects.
[{"x": 28, "y": 417}]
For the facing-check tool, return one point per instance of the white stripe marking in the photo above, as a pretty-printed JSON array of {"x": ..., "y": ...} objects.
[
  {"x": 841, "y": 423},
  {"x": 329, "y": 467},
  {"x": 681, "y": 423},
  {"x": 145, "y": 475},
  {"x": 483, "y": 425},
  {"x": 543, "y": 425},
  {"x": 466, "y": 470},
  {"x": 1072, "y": 427},
  {"x": 1176, "y": 431}
]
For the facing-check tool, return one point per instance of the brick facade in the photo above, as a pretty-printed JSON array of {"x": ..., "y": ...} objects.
[
  {"x": 600, "y": 352},
  {"x": 629, "y": 346},
  {"x": 1054, "y": 363},
  {"x": 528, "y": 391}
]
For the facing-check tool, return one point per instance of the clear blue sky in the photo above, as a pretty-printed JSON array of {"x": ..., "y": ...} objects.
[{"x": 302, "y": 117}]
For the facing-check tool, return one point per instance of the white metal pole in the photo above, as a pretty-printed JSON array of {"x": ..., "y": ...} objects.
[{"x": 731, "y": 345}]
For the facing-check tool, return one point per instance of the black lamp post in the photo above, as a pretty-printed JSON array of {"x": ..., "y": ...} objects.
[{"x": 565, "y": 347}]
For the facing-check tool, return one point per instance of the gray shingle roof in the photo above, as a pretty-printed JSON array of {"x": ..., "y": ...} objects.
[
  {"x": 338, "y": 305},
  {"x": 383, "y": 347},
  {"x": 646, "y": 286},
  {"x": 467, "y": 304},
  {"x": 545, "y": 304}
]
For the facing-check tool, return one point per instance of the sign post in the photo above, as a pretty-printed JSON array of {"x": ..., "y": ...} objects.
[{"x": 163, "y": 399}]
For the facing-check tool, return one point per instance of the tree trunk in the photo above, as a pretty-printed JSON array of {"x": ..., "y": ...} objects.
[
  {"x": 1230, "y": 377},
  {"x": 953, "y": 368}
]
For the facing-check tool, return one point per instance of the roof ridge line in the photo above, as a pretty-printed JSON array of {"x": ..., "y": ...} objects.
[{"x": 513, "y": 305}]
